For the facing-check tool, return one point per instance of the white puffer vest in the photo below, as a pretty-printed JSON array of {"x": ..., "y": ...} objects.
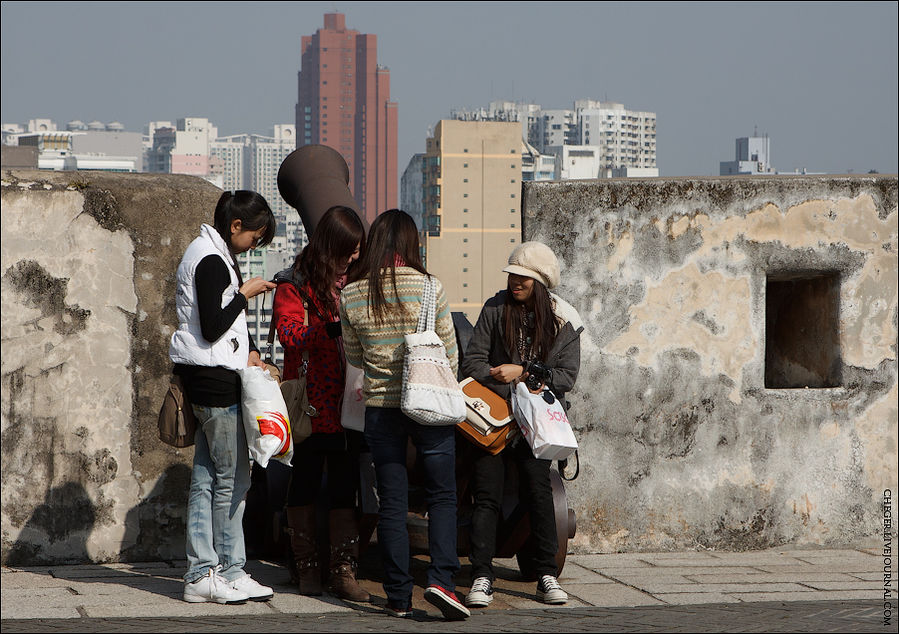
[{"x": 188, "y": 346}]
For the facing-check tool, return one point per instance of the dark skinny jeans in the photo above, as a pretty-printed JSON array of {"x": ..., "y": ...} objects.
[{"x": 535, "y": 493}]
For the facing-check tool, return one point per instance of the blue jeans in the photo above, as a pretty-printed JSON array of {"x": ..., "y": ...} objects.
[
  {"x": 387, "y": 431},
  {"x": 218, "y": 485}
]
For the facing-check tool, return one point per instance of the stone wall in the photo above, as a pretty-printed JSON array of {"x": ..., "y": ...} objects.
[
  {"x": 738, "y": 386},
  {"x": 88, "y": 263},
  {"x": 706, "y": 301}
]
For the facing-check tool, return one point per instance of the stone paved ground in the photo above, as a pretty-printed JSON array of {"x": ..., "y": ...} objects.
[
  {"x": 803, "y": 616},
  {"x": 771, "y": 590}
]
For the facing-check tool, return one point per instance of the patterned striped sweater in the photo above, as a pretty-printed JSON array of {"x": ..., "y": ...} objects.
[{"x": 379, "y": 348}]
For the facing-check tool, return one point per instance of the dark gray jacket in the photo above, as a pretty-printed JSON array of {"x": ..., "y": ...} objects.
[{"x": 487, "y": 348}]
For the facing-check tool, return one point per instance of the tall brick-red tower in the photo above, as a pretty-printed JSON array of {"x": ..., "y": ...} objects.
[{"x": 344, "y": 102}]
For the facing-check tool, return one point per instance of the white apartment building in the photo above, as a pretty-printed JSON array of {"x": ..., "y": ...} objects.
[
  {"x": 554, "y": 127},
  {"x": 627, "y": 138},
  {"x": 610, "y": 140}
]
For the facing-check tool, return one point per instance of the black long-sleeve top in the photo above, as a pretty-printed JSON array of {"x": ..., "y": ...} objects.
[{"x": 214, "y": 386}]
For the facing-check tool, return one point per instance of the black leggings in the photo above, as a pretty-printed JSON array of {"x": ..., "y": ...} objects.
[
  {"x": 315, "y": 455},
  {"x": 535, "y": 493}
]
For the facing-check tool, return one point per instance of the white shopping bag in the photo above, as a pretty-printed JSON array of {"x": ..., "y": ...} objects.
[
  {"x": 265, "y": 418},
  {"x": 544, "y": 425},
  {"x": 352, "y": 414}
]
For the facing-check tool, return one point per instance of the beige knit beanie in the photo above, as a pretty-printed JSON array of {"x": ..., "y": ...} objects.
[{"x": 537, "y": 261}]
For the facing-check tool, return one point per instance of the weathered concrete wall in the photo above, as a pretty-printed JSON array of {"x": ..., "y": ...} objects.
[
  {"x": 88, "y": 262},
  {"x": 682, "y": 445}
]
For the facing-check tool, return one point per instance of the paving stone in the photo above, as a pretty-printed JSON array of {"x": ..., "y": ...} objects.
[
  {"x": 573, "y": 573},
  {"x": 605, "y": 595},
  {"x": 817, "y": 595},
  {"x": 865, "y": 576},
  {"x": 176, "y": 609},
  {"x": 92, "y": 572},
  {"x": 293, "y": 603},
  {"x": 856, "y": 562},
  {"x": 774, "y": 577},
  {"x": 812, "y": 553},
  {"x": 23, "y": 579},
  {"x": 678, "y": 570},
  {"x": 736, "y": 559},
  {"x": 664, "y": 588},
  {"x": 636, "y": 578},
  {"x": 798, "y": 568},
  {"x": 22, "y": 611},
  {"x": 692, "y": 598},
  {"x": 620, "y": 560},
  {"x": 850, "y": 585}
]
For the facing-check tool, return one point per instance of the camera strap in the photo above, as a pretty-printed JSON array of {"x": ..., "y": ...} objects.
[{"x": 563, "y": 464}]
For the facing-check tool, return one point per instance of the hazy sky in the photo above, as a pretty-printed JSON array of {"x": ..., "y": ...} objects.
[{"x": 819, "y": 78}]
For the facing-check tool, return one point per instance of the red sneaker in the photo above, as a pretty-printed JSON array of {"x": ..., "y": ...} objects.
[{"x": 446, "y": 601}]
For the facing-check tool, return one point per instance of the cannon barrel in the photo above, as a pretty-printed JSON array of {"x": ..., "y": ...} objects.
[{"x": 314, "y": 178}]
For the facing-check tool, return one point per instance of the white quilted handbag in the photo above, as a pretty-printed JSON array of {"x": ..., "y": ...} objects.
[{"x": 431, "y": 393}]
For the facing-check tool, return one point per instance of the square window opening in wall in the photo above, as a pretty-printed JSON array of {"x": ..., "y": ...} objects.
[{"x": 802, "y": 333}]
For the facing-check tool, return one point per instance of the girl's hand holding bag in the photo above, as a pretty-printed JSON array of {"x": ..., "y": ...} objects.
[
  {"x": 296, "y": 399},
  {"x": 543, "y": 423}
]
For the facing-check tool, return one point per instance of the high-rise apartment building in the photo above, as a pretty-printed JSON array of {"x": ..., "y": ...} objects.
[
  {"x": 472, "y": 190},
  {"x": 344, "y": 102},
  {"x": 626, "y": 138},
  {"x": 622, "y": 142}
]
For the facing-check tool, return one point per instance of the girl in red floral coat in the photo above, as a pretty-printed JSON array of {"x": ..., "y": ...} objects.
[{"x": 306, "y": 317}]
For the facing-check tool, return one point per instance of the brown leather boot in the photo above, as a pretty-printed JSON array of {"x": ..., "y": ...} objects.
[
  {"x": 301, "y": 523},
  {"x": 344, "y": 531}
]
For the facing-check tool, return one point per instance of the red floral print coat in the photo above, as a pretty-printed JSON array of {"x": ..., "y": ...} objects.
[{"x": 325, "y": 375}]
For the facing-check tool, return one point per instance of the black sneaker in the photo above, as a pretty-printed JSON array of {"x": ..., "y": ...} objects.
[
  {"x": 549, "y": 591},
  {"x": 481, "y": 593},
  {"x": 445, "y": 601}
]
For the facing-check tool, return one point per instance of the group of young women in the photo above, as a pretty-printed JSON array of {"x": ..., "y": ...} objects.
[{"x": 350, "y": 299}]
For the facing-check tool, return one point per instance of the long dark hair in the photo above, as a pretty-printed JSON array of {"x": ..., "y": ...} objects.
[
  {"x": 333, "y": 241},
  {"x": 252, "y": 211},
  {"x": 546, "y": 324},
  {"x": 392, "y": 234}
]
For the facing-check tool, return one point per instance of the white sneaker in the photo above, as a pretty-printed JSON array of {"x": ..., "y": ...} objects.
[
  {"x": 213, "y": 587},
  {"x": 549, "y": 591},
  {"x": 481, "y": 593},
  {"x": 257, "y": 591}
]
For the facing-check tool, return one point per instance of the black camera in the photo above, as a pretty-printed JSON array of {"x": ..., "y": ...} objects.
[{"x": 538, "y": 374}]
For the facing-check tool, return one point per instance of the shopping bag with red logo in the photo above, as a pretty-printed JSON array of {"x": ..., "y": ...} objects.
[
  {"x": 265, "y": 418},
  {"x": 352, "y": 414},
  {"x": 543, "y": 423}
]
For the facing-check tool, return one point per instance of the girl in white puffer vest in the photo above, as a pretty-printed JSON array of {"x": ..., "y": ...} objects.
[{"x": 209, "y": 346}]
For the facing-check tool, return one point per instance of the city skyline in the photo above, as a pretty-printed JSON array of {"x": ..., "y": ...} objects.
[{"x": 819, "y": 80}]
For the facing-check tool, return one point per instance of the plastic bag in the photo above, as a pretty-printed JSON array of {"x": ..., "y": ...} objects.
[
  {"x": 265, "y": 418},
  {"x": 544, "y": 425},
  {"x": 352, "y": 414}
]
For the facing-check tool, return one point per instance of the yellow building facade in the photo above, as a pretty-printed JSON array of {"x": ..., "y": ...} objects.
[{"x": 472, "y": 202}]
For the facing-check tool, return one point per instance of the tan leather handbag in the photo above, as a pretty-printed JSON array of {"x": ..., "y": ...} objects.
[{"x": 487, "y": 417}]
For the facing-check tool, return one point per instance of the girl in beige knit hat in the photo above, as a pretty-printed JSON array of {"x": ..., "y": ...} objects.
[{"x": 522, "y": 324}]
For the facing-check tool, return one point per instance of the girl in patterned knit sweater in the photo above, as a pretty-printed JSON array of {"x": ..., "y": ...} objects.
[{"x": 379, "y": 307}]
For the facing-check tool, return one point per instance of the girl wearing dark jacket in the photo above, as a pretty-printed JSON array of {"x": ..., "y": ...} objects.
[{"x": 521, "y": 324}]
